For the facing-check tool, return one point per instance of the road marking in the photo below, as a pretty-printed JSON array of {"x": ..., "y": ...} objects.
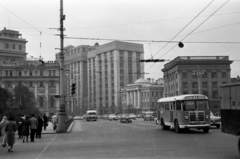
[{"x": 39, "y": 155}]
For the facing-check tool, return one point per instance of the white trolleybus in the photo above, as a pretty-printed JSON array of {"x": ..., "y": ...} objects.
[{"x": 184, "y": 112}]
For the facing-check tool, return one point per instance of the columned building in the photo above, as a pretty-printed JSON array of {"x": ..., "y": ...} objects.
[
  {"x": 141, "y": 96},
  {"x": 75, "y": 63},
  {"x": 42, "y": 78},
  {"x": 111, "y": 67},
  {"x": 197, "y": 75}
]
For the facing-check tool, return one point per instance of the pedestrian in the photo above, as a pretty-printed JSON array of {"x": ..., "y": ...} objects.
[
  {"x": 25, "y": 128},
  {"x": 33, "y": 127},
  {"x": 54, "y": 121},
  {"x": 39, "y": 128},
  {"x": 45, "y": 121},
  {"x": 19, "y": 125},
  {"x": 2, "y": 129},
  {"x": 11, "y": 128}
]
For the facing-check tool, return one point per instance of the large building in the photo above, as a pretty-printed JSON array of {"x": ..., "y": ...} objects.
[
  {"x": 141, "y": 96},
  {"x": 197, "y": 75},
  {"x": 111, "y": 67},
  {"x": 75, "y": 63},
  {"x": 41, "y": 78}
]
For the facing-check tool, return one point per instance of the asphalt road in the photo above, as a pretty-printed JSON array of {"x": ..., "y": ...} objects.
[{"x": 141, "y": 139}]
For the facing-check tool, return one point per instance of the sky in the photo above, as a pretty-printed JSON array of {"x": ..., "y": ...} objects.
[{"x": 206, "y": 27}]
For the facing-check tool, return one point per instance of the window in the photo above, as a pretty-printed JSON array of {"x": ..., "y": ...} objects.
[
  {"x": 30, "y": 73},
  {"x": 52, "y": 102},
  {"x": 20, "y": 47},
  {"x": 214, "y": 74},
  {"x": 224, "y": 74},
  {"x": 214, "y": 85},
  {"x": 204, "y": 75},
  {"x": 194, "y": 74},
  {"x": 41, "y": 84},
  {"x": 205, "y": 93},
  {"x": 204, "y": 84},
  {"x": 7, "y": 46},
  {"x": 194, "y": 85},
  {"x": 13, "y": 46},
  {"x": 214, "y": 94},
  {"x": 185, "y": 92},
  {"x": 41, "y": 101},
  {"x": 185, "y": 85},
  {"x": 184, "y": 74}
]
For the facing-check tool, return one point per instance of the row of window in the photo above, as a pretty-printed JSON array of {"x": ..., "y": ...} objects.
[
  {"x": 204, "y": 84},
  {"x": 29, "y": 73},
  {"x": 7, "y": 46},
  {"x": 204, "y": 74},
  {"x": 51, "y": 84}
]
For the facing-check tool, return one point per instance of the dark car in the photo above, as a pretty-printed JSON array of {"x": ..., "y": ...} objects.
[
  {"x": 125, "y": 118},
  {"x": 148, "y": 117}
]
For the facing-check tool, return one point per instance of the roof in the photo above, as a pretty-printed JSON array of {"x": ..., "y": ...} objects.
[{"x": 142, "y": 81}]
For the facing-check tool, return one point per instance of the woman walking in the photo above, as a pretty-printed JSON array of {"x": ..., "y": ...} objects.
[
  {"x": 25, "y": 128},
  {"x": 11, "y": 128},
  {"x": 2, "y": 129}
]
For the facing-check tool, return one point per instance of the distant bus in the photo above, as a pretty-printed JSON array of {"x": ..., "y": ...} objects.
[
  {"x": 91, "y": 115},
  {"x": 184, "y": 112}
]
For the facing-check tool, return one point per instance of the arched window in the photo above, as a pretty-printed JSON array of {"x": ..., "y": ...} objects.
[
  {"x": 20, "y": 47},
  {"x": 7, "y": 46},
  {"x": 51, "y": 102},
  {"x": 13, "y": 46},
  {"x": 41, "y": 101}
]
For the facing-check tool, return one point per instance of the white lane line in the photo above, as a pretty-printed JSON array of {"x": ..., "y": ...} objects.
[{"x": 39, "y": 155}]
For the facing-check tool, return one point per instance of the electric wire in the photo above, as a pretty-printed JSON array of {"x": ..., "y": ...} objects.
[{"x": 193, "y": 30}]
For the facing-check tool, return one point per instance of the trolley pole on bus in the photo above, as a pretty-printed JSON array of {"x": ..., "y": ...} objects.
[{"x": 61, "y": 127}]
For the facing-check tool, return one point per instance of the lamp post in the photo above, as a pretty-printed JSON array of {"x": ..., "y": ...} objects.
[{"x": 61, "y": 127}]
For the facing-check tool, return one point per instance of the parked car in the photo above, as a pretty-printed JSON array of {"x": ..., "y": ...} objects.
[
  {"x": 133, "y": 116},
  {"x": 215, "y": 120},
  {"x": 119, "y": 116},
  {"x": 148, "y": 117},
  {"x": 112, "y": 117},
  {"x": 125, "y": 118},
  {"x": 139, "y": 116}
]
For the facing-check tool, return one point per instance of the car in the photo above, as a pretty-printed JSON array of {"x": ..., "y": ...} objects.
[
  {"x": 133, "y": 116},
  {"x": 119, "y": 116},
  {"x": 125, "y": 118},
  {"x": 139, "y": 116},
  {"x": 148, "y": 117},
  {"x": 112, "y": 117},
  {"x": 215, "y": 120}
]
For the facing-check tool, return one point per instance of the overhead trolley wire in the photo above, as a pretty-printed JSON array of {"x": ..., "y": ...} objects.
[{"x": 193, "y": 30}]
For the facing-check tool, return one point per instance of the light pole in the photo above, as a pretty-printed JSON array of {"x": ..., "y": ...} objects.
[{"x": 61, "y": 127}]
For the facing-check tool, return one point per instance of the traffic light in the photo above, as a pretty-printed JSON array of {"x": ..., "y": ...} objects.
[{"x": 73, "y": 88}]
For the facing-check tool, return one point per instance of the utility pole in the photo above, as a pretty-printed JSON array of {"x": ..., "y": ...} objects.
[{"x": 61, "y": 127}]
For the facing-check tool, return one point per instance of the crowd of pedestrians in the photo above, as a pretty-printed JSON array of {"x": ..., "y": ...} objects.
[{"x": 25, "y": 126}]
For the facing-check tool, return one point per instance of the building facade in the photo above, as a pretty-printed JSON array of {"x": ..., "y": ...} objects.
[
  {"x": 111, "y": 67},
  {"x": 75, "y": 63},
  {"x": 41, "y": 78},
  {"x": 141, "y": 96},
  {"x": 197, "y": 75}
]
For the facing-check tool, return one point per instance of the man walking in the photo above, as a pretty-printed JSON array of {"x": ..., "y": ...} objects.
[
  {"x": 45, "y": 121},
  {"x": 33, "y": 127}
]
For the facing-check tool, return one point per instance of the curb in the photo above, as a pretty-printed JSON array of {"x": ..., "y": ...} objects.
[{"x": 70, "y": 127}]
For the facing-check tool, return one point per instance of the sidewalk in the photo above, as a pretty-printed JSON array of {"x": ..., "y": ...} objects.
[{"x": 49, "y": 129}]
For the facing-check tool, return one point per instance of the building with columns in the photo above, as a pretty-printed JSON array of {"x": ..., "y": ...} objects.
[
  {"x": 141, "y": 96},
  {"x": 75, "y": 63},
  {"x": 111, "y": 67},
  {"x": 41, "y": 78},
  {"x": 197, "y": 75}
]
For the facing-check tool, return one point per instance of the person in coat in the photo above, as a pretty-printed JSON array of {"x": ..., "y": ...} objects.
[
  {"x": 45, "y": 121},
  {"x": 19, "y": 125},
  {"x": 39, "y": 128},
  {"x": 25, "y": 128},
  {"x": 33, "y": 127},
  {"x": 2, "y": 129},
  {"x": 11, "y": 128}
]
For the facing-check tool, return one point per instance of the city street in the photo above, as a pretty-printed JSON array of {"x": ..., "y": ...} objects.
[{"x": 139, "y": 139}]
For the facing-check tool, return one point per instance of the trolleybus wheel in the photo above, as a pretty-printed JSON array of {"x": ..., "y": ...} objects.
[
  {"x": 164, "y": 127},
  {"x": 176, "y": 127},
  {"x": 205, "y": 130},
  {"x": 239, "y": 145}
]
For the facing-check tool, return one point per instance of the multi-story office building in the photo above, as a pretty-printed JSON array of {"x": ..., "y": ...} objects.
[
  {"x": 142, "y": 96},
  {"x": 197, "y": 75},
  {"x": 75, "y": 63},
  {"x": 41, "y": 78},
  {"x": 111, "y": 67}
]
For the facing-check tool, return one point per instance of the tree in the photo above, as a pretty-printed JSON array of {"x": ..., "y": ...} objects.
[
  {"x": 23, "y": 97},
  {"x": 5, "y": 100}
]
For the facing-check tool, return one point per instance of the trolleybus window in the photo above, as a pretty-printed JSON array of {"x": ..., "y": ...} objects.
[{"x": 195, "y": 105}]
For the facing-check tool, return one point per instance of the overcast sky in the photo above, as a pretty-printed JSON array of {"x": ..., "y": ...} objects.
[{"x": 150, "y": 20}]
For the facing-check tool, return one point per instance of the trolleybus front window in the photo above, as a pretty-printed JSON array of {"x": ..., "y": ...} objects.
[
  {"x": 189, "y": 105},
  {"x": 202, "y": 105}
]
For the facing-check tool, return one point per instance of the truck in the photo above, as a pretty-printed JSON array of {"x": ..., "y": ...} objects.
[
  {"x": 91, "y": 115},
  {"x": 230, "y": 109}
]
